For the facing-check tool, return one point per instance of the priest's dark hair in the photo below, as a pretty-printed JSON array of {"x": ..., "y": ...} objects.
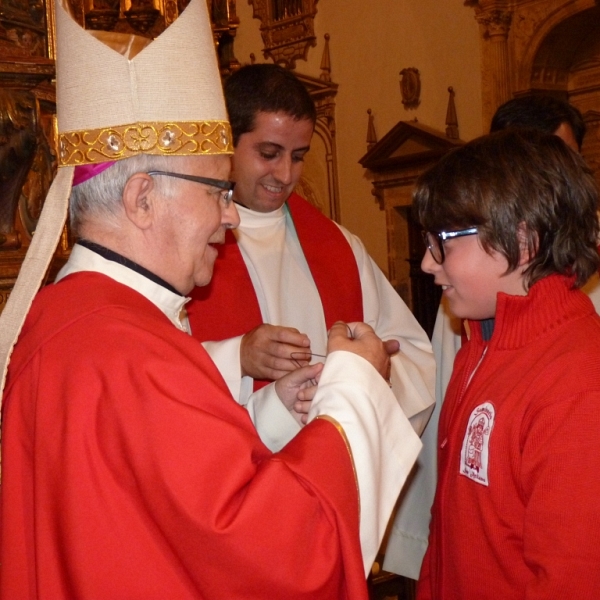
[
  {"x": 265, "y": 88},
  {"x": 539, "y": 111},
  {"x": 521, "y": 188}
]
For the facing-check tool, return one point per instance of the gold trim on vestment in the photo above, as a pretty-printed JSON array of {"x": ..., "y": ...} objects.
[
  {"x": 343, "y": 434},
  {"x": 167, "y": 139}
]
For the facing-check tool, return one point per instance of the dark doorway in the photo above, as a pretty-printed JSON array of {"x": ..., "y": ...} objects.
[{"x": 425, "y": 294}]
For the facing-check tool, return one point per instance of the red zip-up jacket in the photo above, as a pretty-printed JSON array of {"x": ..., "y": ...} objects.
[{"x": 517, "y": 509}]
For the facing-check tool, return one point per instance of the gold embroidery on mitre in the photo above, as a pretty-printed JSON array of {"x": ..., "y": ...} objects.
[{"x": 168, "y": 139}]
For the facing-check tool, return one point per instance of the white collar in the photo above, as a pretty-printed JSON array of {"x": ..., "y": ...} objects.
[
  {"x": 254, "y": 219},
  {"x": 169, "y": 303}
]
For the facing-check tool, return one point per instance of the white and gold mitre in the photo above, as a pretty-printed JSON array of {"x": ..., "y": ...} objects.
[
  {"x": 117, "y": 98},
  {"x": 125, "y": 95}
]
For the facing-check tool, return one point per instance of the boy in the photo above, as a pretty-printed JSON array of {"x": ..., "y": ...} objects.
[{"x": 511, "y": 229}]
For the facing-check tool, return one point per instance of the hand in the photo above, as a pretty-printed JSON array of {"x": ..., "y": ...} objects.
[
  {"x": 359, "y": 338},
  {"x": 297, "y": 389},
  {"x": 305, "y": 398},
  {"x": 391, "y": 346},
  {"x": 266, "y": 351}
]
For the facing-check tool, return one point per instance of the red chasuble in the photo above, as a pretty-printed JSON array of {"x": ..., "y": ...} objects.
[
  {"x": 130, "y": 472},
  {"x": 228, "y": 307}
]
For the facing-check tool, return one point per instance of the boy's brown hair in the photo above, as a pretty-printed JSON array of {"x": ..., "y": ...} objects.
[{"x": 511, "y": 181}]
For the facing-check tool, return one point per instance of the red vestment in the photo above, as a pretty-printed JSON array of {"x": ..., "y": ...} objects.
[
  {"x": 130, "y": 472},
  {"x": 231, "y": 292}
]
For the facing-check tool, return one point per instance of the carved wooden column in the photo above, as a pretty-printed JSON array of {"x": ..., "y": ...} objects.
[{"x": 496, "y": 80}]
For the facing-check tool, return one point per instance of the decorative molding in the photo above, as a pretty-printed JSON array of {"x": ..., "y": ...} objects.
[
  {"x": 371, "y": 133},
  {"x": 326, "y": 61},
  {"x": 324, "y": 93},
  {"x": 451, "y": 117},
  {"x": 410, "y": 87},
  {"x": 377, "y": 193},
  {"x": 496, "y": 22},
  {"x": 287, "y": 28},
  {"x": 496, "y": 74}
]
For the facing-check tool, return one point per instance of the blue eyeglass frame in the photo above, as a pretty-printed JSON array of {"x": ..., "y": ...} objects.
[
  {"x": 441, "y": 237},
  {"x": 227, "y": 186}
]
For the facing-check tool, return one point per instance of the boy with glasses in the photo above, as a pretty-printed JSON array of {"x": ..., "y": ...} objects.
[{"x": 512, "y": 230}]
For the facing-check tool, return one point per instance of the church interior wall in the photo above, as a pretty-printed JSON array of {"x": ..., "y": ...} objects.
[{"x": 370, "y": 43}]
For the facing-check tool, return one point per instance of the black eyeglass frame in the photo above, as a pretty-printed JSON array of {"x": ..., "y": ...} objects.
[
  {"x": 441, "y": 237},
  {"x": 227, "y": 186}
]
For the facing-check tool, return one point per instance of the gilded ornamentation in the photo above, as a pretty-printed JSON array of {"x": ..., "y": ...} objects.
[
  {"x": 17, "y": 149},
  {"x": 149, "y": 18},
  {"x": 181, "y": 139},
  {"x": 36, "y": 185}
]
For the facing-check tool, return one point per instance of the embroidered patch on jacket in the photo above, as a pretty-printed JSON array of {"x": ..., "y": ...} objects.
[{"x": 475, "y": 453}]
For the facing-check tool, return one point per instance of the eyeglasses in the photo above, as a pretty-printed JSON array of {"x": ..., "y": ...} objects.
[
  {"x": 218, "y": 183},
  {"x": 434, "y": 240}
]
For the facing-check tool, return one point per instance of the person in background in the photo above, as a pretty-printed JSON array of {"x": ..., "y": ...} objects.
[{"x": 515, "y": 513}]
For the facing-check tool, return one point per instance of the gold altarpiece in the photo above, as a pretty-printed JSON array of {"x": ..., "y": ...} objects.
[{"x": 28, "y": 102}]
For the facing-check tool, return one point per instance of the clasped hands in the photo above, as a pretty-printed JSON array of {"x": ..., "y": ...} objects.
[{"x": 283, "y": 354}]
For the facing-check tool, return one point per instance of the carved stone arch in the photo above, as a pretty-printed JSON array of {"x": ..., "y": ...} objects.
[
  {"x": 562, "y": 57},
  {"x": 325, "y": 135},
  {"x": 557, "y": 33},
  {"x": 320, "y": 170}
]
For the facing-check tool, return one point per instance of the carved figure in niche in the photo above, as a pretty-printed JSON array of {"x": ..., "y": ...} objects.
[
  {"x": 17, "y": 148},
  {"x": 410, "y": 87}
]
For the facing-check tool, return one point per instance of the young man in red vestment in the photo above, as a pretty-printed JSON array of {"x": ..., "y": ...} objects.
[
  {"x": 287, "y": 273},
  {"x": 129, "y": 471},
  {"x": 511, "y": 229}
]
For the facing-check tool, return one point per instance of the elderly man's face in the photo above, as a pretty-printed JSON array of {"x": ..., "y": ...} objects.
[{"x": 192, "y": 221}]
